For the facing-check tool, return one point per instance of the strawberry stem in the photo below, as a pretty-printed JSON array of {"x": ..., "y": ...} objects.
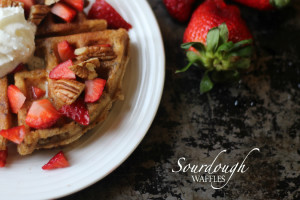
[
  {"x": 279, "y": 3},
  {"x": 218, "y": 56}
]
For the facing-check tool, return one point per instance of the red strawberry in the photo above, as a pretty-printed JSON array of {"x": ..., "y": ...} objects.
[
  {"x": 15, "y": 97},
  {"x": 27, "y": 4},
  {"x": 77, "y": 4},
  {"x": 37, "y": 92},
  {"x": 77, "y": 111},
  {"x": 63, "y": 11},
  {"x": 179, "y": 9},
  {"x": 15, "y": 134},
  {"x": 220, "y": 41},
  {"x": 264, "y": 4},
  {"x": 57, "y": 161},
  {"x": 62, "y": 71},
  {"x": 3, "y": 156},
  {"x": 94, "y": 89},
  {"x": 42, "y": 114},
  {"x": 65, "y": 51},
  {"x": 102, "y": 10},
  {"x": 19, "y": 68}
]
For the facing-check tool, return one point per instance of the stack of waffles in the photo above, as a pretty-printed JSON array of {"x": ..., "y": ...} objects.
[{"x": 100, "y": 53}]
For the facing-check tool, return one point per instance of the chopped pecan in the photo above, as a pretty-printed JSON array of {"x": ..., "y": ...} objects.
[
  {"x": 10, "y": 3},
  {"x": 38, "y": 13},
  {"x": 86, "y": 69},
  {"x": 50, "y": 2},
  {"x": 99, "y": 51},
  {"x": 68, "y": 90}
]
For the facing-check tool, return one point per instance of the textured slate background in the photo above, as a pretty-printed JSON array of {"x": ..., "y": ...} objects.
[{"x": 262, "y": 110}]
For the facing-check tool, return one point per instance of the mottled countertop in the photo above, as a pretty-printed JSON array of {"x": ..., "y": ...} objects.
[{"x": 260, "y": 111}]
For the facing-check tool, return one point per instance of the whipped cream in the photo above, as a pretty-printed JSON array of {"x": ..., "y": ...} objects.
[{"x": 16, "y": 39}]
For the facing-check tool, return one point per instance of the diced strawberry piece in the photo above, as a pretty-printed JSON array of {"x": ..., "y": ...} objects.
[
  {"x": 62, "y": 71},
  {"x": 15, "y": 134},
  {"x": 27, "y": 4},
  {"x": 63, "y": 11},
  {"x": 94, "y": 89},
  {"x": 15, "y": 97},
  {"x": 77, "y": 4},
  {"x": 42, "y": 114},
  {"x": 19, "y": 68},
  {"x": 77, "y": 111},
  {"x": 65, "y": 51},
  {"x": 57, "y": 161},
  {"x": 102, "y": 10},
  {"x": 3, "y": 156},
  {"x": 37, "y": 92}
]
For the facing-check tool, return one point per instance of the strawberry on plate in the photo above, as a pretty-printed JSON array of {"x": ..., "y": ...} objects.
[
  {"x": 15, "y": 97},
  {"x": 15, "y": 134},
  {"x": 63, "y": 11},
  {"x": 3, "y": 156},
  {"x": 77, "y": 111},
  {"x": 65, "y": 51},
  {"x": 218, "y": 40},
  {"x": 94, "y": 89},
  {"x": 77, "y": 4},
  {"x": 103, "y": 10},
  {"x": 62, "y": 71},
  {"x": 179, "y": 9},
  {"x": 57, "y": 161},
  {"x": 42, "y": 114},
  {"x": 37, "y": 92},
  {"x": 264, "y": 4}
]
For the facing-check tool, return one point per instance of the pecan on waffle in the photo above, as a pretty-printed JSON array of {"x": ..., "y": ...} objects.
[
  {"x": 112, "y": 70},
  {"x": 50, "y": 26}
]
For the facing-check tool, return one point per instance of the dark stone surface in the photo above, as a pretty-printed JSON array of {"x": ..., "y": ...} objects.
[{"x": 262, "y": 110}]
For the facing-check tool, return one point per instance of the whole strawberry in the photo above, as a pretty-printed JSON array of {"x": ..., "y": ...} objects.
[
  {"x": 264, "y": 4},
  {"x": 179, "y": 9},
  {"x": 218, "y": 40}
]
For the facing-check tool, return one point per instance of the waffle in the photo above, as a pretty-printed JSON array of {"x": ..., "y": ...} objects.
[
  {"x": 66, "y": 130},
  {"x": 51, "y": 26},
  {"x": 5, "y": 116}
]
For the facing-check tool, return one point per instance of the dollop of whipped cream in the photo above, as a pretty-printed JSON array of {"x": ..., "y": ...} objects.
[{"x": 16, "y": 39}]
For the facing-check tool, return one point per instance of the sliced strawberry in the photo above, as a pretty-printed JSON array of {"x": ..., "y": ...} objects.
[
  {"x": 77, "y": 4},
  {"x": 65, "y": 51},
  {"x": 57, "y": 161},
  {"x": 77, "y": 111},
  {"x": 37, "y": 92},
  {"x": 94, "y": 89},
  {"x": 3, "y": 156},
  {"x": 15, "y": 134},
  {"x": 62, "y": 71},
  {"x": 63, "y": 11},
  {"x": 15, "y": 97},
  {"x": 42, "y": 114},
  {"x": 19, "y": 68},
  {"x": 102, "y": 10},
  {"x": 27, "y": 4}
]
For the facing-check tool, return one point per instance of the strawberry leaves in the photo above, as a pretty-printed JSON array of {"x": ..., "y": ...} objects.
[{"x": 221, "y": 59}]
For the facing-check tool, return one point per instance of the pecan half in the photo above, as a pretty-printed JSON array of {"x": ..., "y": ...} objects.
[
  {"x": 102, "y": 52},
  {"x": 86, "y": 69},
  {"x": 68, "y": 90},
  {"x": 50, "y": 2},
  {"x": 10, "y": 3},
  {"x": 38, "y": 13}
]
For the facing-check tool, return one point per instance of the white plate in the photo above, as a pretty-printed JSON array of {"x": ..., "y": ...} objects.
[{"x": 101, "y": 151}]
